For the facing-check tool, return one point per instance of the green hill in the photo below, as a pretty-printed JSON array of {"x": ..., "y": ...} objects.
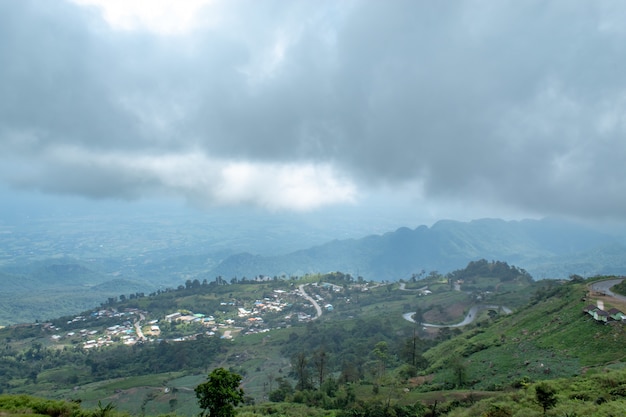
[
  {"x": 551, "y": 337},
  {"x": 360, "y": 357}
]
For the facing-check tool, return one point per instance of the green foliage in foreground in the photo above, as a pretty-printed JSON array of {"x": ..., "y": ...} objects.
[
  {"x": 548, "y": 339},
  {"x": 220, "y": 394},
  {"x": 24, "y": 405},
  {"x": 595, "y": 394},
  {"x": 360, "y": 360},
  {"x": 602, "y": 393}
]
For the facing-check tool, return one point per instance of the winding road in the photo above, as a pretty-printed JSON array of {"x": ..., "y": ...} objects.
[
  {"x": 318, "y": 309},
  {"x": 604, "y": 287},
  {"x": 140, "y": 335},
  {"x": 469, "y": 318}
]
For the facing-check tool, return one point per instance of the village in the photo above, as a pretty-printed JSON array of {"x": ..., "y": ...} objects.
[{"x": 235, "y": 318}]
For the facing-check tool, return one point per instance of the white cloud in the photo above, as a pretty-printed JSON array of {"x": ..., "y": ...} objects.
[
  {"x": 274, "y": 186},
  {"x": 160, "y": 16},
  {"x": 201, "y": 180},
  {"x": 298, "y": 104}
]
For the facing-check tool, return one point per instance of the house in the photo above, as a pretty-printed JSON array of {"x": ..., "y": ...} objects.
[
  {"x": 172, "y": 316},
  {"x": 616, "y": 314},
  {"x": 589, "y": 308},
  {"x": 601, "y": 315}
]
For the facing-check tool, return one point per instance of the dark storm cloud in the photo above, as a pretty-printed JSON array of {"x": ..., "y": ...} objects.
[{"x": 517, "y": 104}]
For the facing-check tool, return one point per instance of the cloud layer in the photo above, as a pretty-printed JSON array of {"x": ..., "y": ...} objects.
[{"x": 302, "y": 104}]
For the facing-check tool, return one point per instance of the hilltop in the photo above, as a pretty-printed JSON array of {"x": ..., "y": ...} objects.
[{"x": 546, "y": 248}]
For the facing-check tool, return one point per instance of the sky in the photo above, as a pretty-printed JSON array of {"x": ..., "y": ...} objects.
[{"x": 419, "y": 109}]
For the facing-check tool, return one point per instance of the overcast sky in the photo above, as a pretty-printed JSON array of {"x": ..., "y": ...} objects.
[{"x": 447, "y": 108}]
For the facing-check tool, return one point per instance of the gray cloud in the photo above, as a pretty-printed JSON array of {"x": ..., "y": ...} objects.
[{"x": 510, "y": 104}]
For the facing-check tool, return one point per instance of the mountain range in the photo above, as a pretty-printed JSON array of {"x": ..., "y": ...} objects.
[
  {"x": 546, "y": 248},
  {"x": 45, "y": 285}
]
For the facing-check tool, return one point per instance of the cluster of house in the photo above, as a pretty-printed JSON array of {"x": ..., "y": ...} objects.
[
  {"x": 249, "y": 319},
  {"x": 80, "y": 333},
  {"x": 599, "y": 314},
  {"x": 190, "y": 318},
  {"x": 124, "y": 332},
  {"x": 263, "y": 306}
]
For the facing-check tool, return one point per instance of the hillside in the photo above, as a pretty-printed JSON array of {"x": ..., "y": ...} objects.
[
  {"x": 74, "y": 268},
  {"x": 551, "y": 337},
  {"x": 368, "y": 351},
  {"x": 546, "y": 248},
  {"x": 263, "y": 324}
]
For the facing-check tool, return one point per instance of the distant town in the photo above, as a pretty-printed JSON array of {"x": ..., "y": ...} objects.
[{"x": 237, "y": 318}]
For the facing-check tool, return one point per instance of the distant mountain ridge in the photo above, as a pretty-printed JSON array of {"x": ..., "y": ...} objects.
[
  {"x": 54, "y": 286},
  {"x": 546, "y": 248}
]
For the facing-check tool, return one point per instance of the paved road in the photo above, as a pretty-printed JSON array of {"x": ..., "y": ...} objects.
[
  {"x": 469, "y": 318},
  {"x": 604, "y": 287},
  {"x": 318, "y": 309},
  {"x": 140, "y": 335}
]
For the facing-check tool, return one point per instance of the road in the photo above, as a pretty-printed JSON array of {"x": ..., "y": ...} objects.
[
  {"x": 469, "y": 318},
  {"x": 140, "y": 335},
  {"x": 604, "y": 287},
  {"x": 318, "y": 309}
]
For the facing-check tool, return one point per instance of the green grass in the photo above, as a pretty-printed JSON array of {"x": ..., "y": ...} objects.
[
  {"x": 138, "y": 381},
  {"x": 551, "y": 339},
  {"x": 595, "y": 394}
]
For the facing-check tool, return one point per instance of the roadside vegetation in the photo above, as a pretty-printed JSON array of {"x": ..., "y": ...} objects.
[{"x": 530, "y": 350}]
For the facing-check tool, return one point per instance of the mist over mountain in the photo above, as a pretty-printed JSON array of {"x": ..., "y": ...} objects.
[
  {"x": 546, "y": 248},
  {"x": 51, "y": 267}
]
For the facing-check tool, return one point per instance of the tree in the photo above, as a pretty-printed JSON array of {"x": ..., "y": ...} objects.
[
  {"x": 381, "y": 352},
  {"x": 219, "y": 396},
  {"x": 299, "y": 364},
  {"x": 576, "y": 278},
  {"x": 280, "y": 394},
  {"x": 319, "y": 361},
  {"x": 459, "y": 370},
  {"x": 546, "y": 396}
]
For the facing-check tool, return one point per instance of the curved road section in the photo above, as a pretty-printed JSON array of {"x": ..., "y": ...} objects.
[
  {"x": 318, "y": 309},
  {"x": 469, "y": 318},
  {"x": 140, "y": 335},
  {"x": 604, "y": 287}
]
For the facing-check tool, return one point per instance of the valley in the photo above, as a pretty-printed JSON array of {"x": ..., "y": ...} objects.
[
  {"x": 264, "y": 328},
  {"x": 141, "y": 331},
  {"x": 55, "y": 266}
]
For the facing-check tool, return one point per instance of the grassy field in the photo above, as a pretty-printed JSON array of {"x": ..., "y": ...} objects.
[
  {"x": 552, "y": 339},
  {"x": 548, "y": 338}
]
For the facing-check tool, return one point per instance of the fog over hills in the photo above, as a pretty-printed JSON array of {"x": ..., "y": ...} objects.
[
  {"x": 546, "y": 248},
  {"x": 51, "y": 267}
]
